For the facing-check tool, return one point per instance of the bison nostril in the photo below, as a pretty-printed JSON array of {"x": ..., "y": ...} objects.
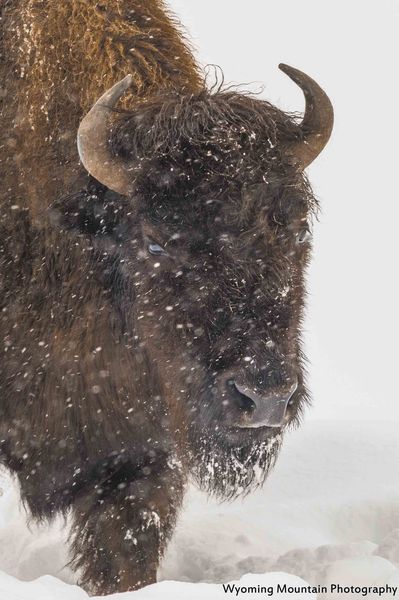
[
  {"x": 243, "y": 401},
  {"x": 261, "y": 409}
]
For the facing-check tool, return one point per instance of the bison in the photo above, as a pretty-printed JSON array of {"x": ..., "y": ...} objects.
[{"x": 152, "y": 291}]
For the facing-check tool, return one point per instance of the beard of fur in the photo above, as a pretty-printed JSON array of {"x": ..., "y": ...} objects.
[{"x": 229, "y": 473}]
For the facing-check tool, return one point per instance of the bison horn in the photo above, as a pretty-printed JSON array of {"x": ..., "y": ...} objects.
[
  {"x": 317, "y": 122},
  {"x": 93, "y": 146}
]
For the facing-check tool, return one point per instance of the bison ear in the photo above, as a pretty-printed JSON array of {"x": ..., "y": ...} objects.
[{"x": 95, "y": 211}]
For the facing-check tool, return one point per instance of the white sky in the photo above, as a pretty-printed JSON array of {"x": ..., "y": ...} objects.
[{"x": 352, "y": 50}]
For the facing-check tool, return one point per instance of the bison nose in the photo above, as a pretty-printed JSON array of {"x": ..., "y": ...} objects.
[{"x": 261, "y": 408}]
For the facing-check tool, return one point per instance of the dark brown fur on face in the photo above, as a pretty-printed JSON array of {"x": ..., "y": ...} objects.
[{"x": 114, "y": 357}]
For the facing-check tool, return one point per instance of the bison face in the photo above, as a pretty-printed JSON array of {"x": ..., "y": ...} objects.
[
  {"x": 219, "y": 292},
  {"x": 215, "y": 244}
]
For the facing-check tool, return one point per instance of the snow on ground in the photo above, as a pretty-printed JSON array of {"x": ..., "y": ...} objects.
[
  {"x": 48, "y": 588},
  {"x": 328, "y": 513}
]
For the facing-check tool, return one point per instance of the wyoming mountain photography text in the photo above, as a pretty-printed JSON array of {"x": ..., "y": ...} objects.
[{"x": 332, "y": 589}]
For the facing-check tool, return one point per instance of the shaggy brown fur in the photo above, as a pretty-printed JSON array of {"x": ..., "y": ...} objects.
[
  {"x": 56, "y": 59},
  {"x": 115, "y": 360}
]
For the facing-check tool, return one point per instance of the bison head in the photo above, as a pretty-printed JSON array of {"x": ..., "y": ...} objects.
[{"x": 214, "y": 237}]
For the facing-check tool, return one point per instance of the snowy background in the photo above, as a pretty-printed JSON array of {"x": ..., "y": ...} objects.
[{"x": 330, "y": 510}]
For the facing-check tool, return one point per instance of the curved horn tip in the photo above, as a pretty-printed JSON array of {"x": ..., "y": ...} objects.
[
  {"x": 112, "y": 95},
  {"x": 318, "y": 119},
  {"x": 127, "y": 81},
  {"x": 292, "y": 72},
  {"x": 283, "y": 67}
]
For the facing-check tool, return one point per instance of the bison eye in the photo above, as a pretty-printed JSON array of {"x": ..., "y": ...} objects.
[
  {"x": 303, "y": 236},
  {"x": 156, "y": 249}
]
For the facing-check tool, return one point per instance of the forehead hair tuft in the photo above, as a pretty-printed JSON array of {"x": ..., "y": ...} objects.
[{"x": 205, "y": 127}]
